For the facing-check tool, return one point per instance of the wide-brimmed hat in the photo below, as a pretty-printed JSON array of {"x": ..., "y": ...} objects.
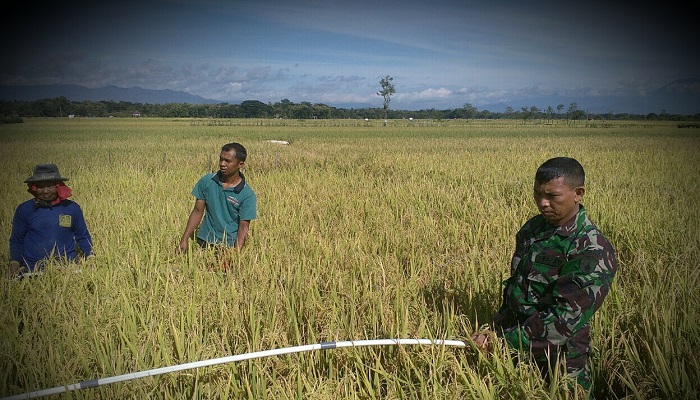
[{"x": 44, "y": 173}]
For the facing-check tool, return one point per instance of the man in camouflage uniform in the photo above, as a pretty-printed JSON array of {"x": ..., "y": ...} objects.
[{"x": 561, "y": 271}]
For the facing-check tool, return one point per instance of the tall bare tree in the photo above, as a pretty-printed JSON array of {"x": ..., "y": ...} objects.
[{"x": 387, "y": 91}]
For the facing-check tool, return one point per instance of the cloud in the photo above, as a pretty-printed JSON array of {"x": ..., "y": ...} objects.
[
  {"x": 342, "y": 79},
  {"x": 426, "y": 94},
  {"x": 345, "y": 98},
  {"x": 443, "y": 54}
]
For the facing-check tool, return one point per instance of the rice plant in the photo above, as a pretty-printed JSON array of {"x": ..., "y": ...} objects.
[{"x": 363, "y": 232}]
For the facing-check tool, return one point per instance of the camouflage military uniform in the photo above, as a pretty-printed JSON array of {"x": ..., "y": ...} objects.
[{"x": 559, "y": 278}]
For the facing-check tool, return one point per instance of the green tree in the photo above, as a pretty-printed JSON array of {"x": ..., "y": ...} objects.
[
  {"x": 283, "y": 108},
  {"x": 525, "y": 114},
  {"x": 256, "y": 109},
  {"x": 550, "y": 113},
  {"x": 574, "y": 113},
  {"x": 469, "y": 111},
  {"x": 302, "y": 110},
  {"x": 387, "y": 91},
  {"x": 534, "y": 112}
]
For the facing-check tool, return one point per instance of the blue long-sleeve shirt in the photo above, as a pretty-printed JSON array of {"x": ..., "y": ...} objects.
[{"x": 41, "y": 232}]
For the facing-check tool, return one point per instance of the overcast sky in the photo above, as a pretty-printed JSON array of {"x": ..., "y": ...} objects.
[{"x": 441, "y": 53}]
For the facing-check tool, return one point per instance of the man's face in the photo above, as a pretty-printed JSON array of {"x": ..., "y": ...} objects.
[
  {"x": 228, "y": 163},
  {"x": 557, "y": 200},
  {"x": 46, "y": 191}
]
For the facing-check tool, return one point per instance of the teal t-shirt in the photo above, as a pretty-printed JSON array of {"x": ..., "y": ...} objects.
[{"x": 224, "y": 208}]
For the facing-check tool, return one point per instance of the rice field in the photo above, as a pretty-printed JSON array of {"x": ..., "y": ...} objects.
[{"x": 364, "y": 231}]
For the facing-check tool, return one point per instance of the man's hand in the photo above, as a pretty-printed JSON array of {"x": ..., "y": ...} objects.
[
  {"x": 13, "y": 269},
  {"x": 483, "y": 340},
  {"x": 182, "y": 247}
]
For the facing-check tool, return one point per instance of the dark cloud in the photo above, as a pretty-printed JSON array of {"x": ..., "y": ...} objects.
[{"x": 233, "y": 50}]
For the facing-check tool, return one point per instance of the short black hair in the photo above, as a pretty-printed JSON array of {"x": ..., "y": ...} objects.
[
  {"x": 559, "y": 167},
  {"x": 241, "y": 153}
]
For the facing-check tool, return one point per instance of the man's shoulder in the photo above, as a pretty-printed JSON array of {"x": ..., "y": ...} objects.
[
  {"x": 586, "y": 227},
  {"x": 593, "y": 234},
  {"x": 25, "y": 205},
  {"x": 247, "y": 190},
  {"x": 590, "y": 241},
  {"x": 69, "y": 204},
  {"x": 206, "y": 179},
  {"x": 532, "y": 225}
]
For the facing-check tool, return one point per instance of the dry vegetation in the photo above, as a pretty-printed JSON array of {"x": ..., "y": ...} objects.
[{"x": 364, "y": 232}]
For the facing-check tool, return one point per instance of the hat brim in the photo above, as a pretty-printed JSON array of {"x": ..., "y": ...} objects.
[{"x": 32, "y": 180}]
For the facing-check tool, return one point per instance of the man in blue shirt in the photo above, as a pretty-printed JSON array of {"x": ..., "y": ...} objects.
[
  {"x": 224, "y": 201},
  {"x": 47, "y": 226}
]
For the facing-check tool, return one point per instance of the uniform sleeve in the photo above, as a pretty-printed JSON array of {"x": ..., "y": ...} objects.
[
  {"x": 19, "y": 231},
  {"x": 81, "y": 233},
  {"x": 500, "y": 317},
  {"x": 578, "y": 293}
]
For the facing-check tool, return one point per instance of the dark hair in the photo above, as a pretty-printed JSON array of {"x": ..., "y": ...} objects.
[
  {"x": 559, "y": 167},
  {"x": 241, "y": 153}
]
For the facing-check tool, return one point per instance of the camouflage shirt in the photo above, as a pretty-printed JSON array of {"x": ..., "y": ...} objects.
[{"x": 559, "y": 278}]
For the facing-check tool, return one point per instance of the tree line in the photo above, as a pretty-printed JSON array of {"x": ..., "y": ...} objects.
[{"x": 62, "y": 107}]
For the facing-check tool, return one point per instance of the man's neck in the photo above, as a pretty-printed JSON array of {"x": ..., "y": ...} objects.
[{"x": 231, "y": 180}]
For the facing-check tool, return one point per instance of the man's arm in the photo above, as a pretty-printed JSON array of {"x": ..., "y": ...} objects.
[
  {"x": 579, "y": 291},
  {"x": 17, "y": 235},
  {"x": 247, "y": 213},
  {"x": 243, "y": 227},
  {"x": 192, "y": 223},
  {"x": 81, "y": 233}
]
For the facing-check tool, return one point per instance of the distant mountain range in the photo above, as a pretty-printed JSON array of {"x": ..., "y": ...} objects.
[
  {"x": 107, "y": 93},
  {"x": 679, "y": 97}
]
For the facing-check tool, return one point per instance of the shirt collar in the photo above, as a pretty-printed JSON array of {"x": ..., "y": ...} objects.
[
  {"x": 236, "y": 189},
  {"x": 571, "y": 225},
  {"x": 545, "y": 230}
]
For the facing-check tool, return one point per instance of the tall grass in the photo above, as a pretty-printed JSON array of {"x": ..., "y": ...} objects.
[{"x": 364, "y": 232}]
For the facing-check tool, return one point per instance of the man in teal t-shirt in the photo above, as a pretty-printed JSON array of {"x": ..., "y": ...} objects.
[{"x": 224, "y": 201}]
